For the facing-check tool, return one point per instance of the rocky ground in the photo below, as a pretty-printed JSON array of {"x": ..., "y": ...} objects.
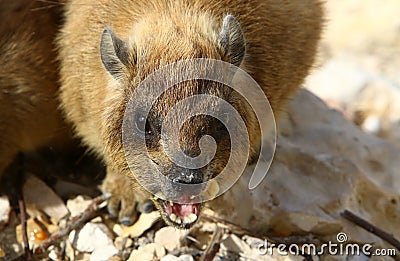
[{"x": 338, "y": 152}]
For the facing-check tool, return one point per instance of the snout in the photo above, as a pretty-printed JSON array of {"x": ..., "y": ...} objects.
[{"x": 185, "y": 176}]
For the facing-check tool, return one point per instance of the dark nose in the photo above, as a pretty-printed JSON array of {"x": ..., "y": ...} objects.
[
  {"x": 186, "y": 176},
  {"x": 179, "y": 176}
]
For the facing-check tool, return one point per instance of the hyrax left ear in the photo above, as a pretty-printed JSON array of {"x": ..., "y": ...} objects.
[
  {"x": 114, "y": 53},
  {"x": 232, "y": 40}
]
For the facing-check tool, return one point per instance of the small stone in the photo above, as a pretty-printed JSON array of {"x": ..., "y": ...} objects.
[
  {"x": 372, "y": 124},
  {"x": 69, "y": 250},
  {"x": 53, "y": 255},
  {"x": 169, "y": 237},
  {"x": 145, "y": 253},
  {"x": 128, "y": 242},
  {"x": 235, "y": 244},
  {"x": 208, "y": 227},
  {"x": 170, "y": 258},
  {"x": 16, "y": 247},
  {"x": 90, "y": 237},
  {"x": 4, "y": 210},
  {"x": 145, "y": 221},
  {"x": 118, "y": 229},
  {"x": 160, "y": 251},
  {"x": 151, "y": 248},
  {"x": 103, "y": 253},
  {"x": 78, "y": 205},
  {"x": 186, "y": 258},
  {"x": 120, "y": 240}
]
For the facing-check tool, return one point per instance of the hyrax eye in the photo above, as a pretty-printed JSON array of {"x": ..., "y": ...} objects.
[{"x": 141, "y": 123}]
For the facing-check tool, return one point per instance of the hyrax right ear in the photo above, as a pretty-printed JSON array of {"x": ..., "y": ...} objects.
[
  {"x": 232, "y": 41},
  {"x": 114, "y": 53}
]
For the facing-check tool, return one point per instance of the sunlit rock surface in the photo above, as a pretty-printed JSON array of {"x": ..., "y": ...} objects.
[{"x": 323, "y": 165}]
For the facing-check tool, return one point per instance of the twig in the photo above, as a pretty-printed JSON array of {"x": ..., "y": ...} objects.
[
  {"x": 24, "y": 232},
  {"x": 231, "y": 225},
  {"x": 277, "y": 240},
  {"x": 371, "y": 228},
  {"x": 297, "y": 240},
  {"x": 74, "y": 223},
  {"x": 22, "y": 209},
  {"x": 213, "y": 248}
]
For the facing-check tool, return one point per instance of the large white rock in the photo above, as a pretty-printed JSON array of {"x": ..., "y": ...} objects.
[
  {"x": 323, "y": 165},
  {"x": 94, "y": 238}
]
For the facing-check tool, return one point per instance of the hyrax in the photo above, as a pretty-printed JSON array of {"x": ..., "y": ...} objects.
[
  {"x": 107, "y": 47},
  {"x": 29, "y": 115}
]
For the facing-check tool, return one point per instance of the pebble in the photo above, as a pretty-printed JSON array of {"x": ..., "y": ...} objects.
[
  {"x": 78, "y": 205},
  {"x": 4, "y": 210},
  {"x": 103, "y": 253},
  {"x": 185, "y": 258},
  {"x": 169, "y": 237},
  {"x": 145, "y": 253},
  {"x": 92, "y": 236},
  {"x": 169, "y": 258}
]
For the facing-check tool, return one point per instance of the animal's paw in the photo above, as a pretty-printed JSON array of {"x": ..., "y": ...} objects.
[{"x": 125, "y": 202}]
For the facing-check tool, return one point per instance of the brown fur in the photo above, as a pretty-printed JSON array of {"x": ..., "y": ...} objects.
[
  {"x": 29, "y": 115},
  {"x": 281, "y": 40}
]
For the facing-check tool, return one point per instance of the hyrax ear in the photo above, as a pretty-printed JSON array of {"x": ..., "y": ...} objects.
[
  {"x": 232, "y": 40},
  {"x": 114, "y": 53}
]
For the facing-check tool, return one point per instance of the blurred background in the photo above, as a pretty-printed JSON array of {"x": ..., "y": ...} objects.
[{"x": 358, "y": 71}]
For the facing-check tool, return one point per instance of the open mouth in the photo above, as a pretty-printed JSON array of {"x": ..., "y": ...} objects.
[
  {"x": 185, "y": 214},
  {"x": 182, "y": 215}
]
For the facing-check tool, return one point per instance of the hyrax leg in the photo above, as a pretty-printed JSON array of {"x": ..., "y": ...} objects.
[
  {"x": 125, "y": 202},
  {"x": 7, "y": 152}
]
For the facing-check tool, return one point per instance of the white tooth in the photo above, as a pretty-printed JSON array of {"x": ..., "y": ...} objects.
[
  {"x": 178, "y": 220},
  {"x": 172, "y": 217},
  {"x": 192, "y": 217},
  {"x": 186, "y": 220},
  {"x": 155, "y": 198},
  {"x": 171, "y": 203}
]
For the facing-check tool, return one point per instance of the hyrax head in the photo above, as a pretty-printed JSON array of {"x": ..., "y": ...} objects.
[{"x": 150, "y": 47}]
